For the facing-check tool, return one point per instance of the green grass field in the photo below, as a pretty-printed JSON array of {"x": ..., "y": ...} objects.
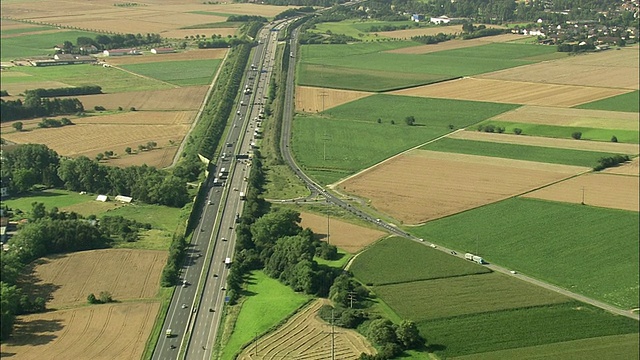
[
  {"x": 371, "y": 57},
  {"x": 519, "y": 152},
  {"x": 111, "y": 80},
  {"x": 628, "y": 102},
  {"x": 348, "y": 138},
  {"x": 488, "y": 332},
  {"x": 614, "y": 347},
  {"x": 588, "y": 250},
  {"x": 50, "y": 199},
  {"x": 564, "y": 132},
  {"x": 182, "y": 73},
  {"x": 397, "y": 260},
  {"x": 37, "y": 44},
  {"x": 27, "y": 30},
  {"x": 268, "y": 303},
  {"x": 462, "y": 295}
]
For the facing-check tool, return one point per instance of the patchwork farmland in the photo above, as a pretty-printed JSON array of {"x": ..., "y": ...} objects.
[{"x": 346, "y": 236}]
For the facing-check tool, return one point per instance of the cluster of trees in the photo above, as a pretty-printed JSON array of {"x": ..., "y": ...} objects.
[
  {"x": 106, "y": 42},
  {"x": 490, "y": 128},
  {"x": 103, "y": 298},
  {"x": 171, "y": 271},
  {"x": 51, "y": 123},
  {"x": 247, "y": 18},
  {"x": 576, "y": 48},
  {"x": 68, "y": 91},
  {"x": 472, "y": 32},
  {"x": 387, "y": 27},
  {"x": 433, "y": 39},
  {"x": 610, "y": 161},
  {"x": 294, "y": 12},
  {"x": 123, "y": 228},
  {"x": 328, "y": 38},
  {"x": 32, "y": 164},
  {"x": 35, "y": 106}
]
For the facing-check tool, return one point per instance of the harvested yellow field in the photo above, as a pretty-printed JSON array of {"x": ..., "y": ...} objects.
[
  {"x": 306, "y": 336},
  {"x": 455, "y": 44},
  {"x": 619, "y": 148},
  {"x": 133, "y": 274},
  {"x": 512, "y": 92},
  {"x": 177, "y": 56},
  {"x": 348, "y": 237},
  {"x": 425, "y": 185},
  {"x": 602, "y": 190},
  {"x": 184, "y": 98},
  {"x": 100, "y": 332},
  {"x": 148, "y": 17},
  {"x": 599, "y": 119},
  {"x": 613, "y": 69},
  {"x": 314, "y": 99}
]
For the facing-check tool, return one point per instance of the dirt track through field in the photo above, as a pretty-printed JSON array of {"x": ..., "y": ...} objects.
[
  {"x": 184, "y": 98},
  {"x": 618, "y": 148},
  {"x": 424, "y": 185},
  {"x": 305, "y": 336},
  {"x": 348, "y": 237}
]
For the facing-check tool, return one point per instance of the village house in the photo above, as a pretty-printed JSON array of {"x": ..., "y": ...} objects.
[{"x": 121, "y": 52}]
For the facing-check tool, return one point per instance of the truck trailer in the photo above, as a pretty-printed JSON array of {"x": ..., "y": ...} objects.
[
  {"x": 168, "y": 333},
  {"x": 474, "y": 258},
  {"x": 227, "y": 262}
]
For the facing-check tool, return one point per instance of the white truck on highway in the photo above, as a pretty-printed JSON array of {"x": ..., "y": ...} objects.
[
  {"x": 474, "y": 258},
  {"x": 168, "y": 333},
  {"x": 227, "y": 262}
]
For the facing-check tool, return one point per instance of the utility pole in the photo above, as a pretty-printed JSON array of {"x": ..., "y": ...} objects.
[
  {"x": 582, "y": 196},
  {"x": 256, "y": 345},
  {"x": 325, "y": 137},
  {"x": 323, "y": 94},
  {"x": 352, "y": 295},
  {"x": 328, "y": 227}
]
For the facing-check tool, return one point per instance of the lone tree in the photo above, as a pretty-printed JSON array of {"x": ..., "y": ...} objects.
[
  {"x": 17, "y": 125},
  {"x": 614, "y": 139},
  {"x": 127, "y": 150},
  {"x": 410, "y": 120},
  {"x": 576, "y": 135}
]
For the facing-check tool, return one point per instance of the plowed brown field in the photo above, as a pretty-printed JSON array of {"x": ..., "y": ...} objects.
[
  {"x": 512, "y": 92},
  {"x": 602, "y": 190},
  {"x": 305, "y": 336},
  {"x": 186, "y": 98},
  {"x": 314, "y": 99},
  {"x": 616, "y": 69},
  {"x": 348, "y": 237},
  {"x": 599, "y": 119},
  {"x": 426, "y": 185},
  {"x": 66, "y": 280},
  {"x": 105, "y": 332},
  {"x": 619, "y": 148}
]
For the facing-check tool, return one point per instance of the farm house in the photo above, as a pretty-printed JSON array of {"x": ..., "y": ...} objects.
[
  {"x": 121, "y": 52},
  {"x": 165, "y": 50}
]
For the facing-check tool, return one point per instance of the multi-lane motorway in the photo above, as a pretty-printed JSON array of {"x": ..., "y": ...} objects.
[{"x": 194, "y": 313}]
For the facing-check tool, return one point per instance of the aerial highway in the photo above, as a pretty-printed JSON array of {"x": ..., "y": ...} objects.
[{"x": 193, "y": 316}]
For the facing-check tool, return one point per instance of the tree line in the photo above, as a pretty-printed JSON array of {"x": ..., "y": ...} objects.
[
  {"x": 32, "y": 164},
  {"x": 68, "y": 91},
  {"x": 35, "y": 106}
]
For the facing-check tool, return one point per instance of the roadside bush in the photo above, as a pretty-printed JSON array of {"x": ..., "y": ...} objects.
[
  {"x": 92, "y": 299},
  {"x": 576, "y": 135},
  {"x": 99, "y": 108}
]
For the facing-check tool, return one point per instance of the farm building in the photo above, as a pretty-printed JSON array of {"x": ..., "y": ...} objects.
[
  {"x": 61, "y": 59},
  {"x": 444, "y": 20},
  {"x": 121, "y": 52},
  {"x": 89, "y": 49},
  {"x": 124, "y": 199},
  {"x": 165, "y": 50},
  {"x": 103, "y": 198},
  {"x": 417, "y": 17}
]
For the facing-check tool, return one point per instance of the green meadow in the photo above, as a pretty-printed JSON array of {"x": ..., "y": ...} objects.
[
  {"x": 443, "y": 64},
  {"x": 112, "y": 80},
  {"x": 523, "y": 327},
  {"x": 267, "y": 303},
  {"x": 463, "y": 295},
  {"x": 395, "y": 261},
  {"x": 518, "y": 152},
  {"x": 629, "y": 102},
  {"x": 564, "y": 132},
  {"x": 182, "y": 73},
  {"x": 588, "y": 250},
  {"x": 348, "y": 138},
  {"x": 17, "y": 47}
]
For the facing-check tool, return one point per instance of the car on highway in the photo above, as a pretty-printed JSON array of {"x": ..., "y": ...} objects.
[
  {"x": 184, "y": 283},
  {"x": 184, "y": 306},
  {"x": 223, "y": 239}
]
